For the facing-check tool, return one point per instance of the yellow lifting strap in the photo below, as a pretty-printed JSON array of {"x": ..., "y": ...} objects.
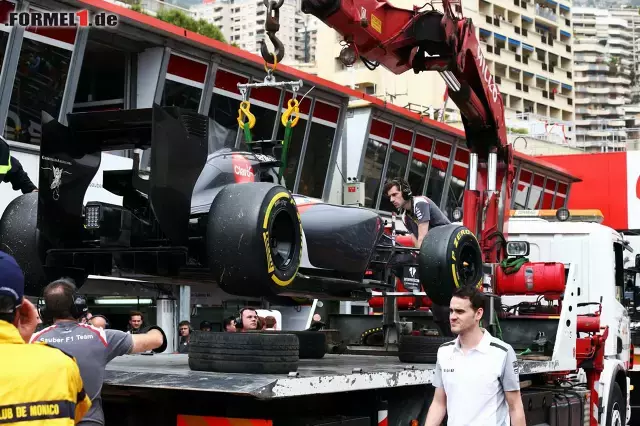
[
  {"x": 293, "y": 108},
  {"x": 243, "y": 112}
]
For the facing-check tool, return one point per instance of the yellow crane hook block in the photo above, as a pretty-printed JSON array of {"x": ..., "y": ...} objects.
[
  {"x": 244, "y": 110},
  {"x": 293, "y": 107}
]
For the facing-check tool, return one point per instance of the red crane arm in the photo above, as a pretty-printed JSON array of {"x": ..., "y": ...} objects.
[{"x": 400, "y": 40}]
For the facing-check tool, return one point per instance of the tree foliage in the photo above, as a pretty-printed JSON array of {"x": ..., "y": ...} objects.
[{"x": 200, "y": 26}]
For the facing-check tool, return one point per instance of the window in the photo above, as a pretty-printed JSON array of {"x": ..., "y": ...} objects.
[
  {"x": 297, "y": 139},
  {"x": 374, "y": 157},
  {"x": 181, "y": 95},
  {"x": 547, "y": 196},
  {"x": 535, "y": 193},
  {"x": 459, "y": 177},
  {"x": 102, "y": 79},
  {"x": 520, "y": 196},
  {"x": 40, "y": 81},
  {"x": 184, "y": 82},
  {"x": 6, "y": 7},
  {"x": 319, "y": 148},
  {"x": 561, "y": 195},
  {"x": 264, "y": 105},
  {"x": 223, "y": 110},
  {"x": 419, "y": 163},
  {"x": 398, "y": 159},
  {"x": 439, "y": 164}
]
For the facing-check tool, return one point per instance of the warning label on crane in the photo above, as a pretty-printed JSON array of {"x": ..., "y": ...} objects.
[{"x": 376, "y": 23}]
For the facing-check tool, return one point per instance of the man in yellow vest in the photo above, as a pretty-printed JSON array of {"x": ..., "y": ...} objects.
[
  {"x": 40, "y": 385},
  {"x": 11, "y": 170}
]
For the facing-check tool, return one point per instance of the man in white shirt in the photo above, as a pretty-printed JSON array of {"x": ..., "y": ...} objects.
[{"x": 477, "y": 376}]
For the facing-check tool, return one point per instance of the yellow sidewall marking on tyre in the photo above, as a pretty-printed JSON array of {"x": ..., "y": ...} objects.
[
  {"x": 272, "y": 203},
  {"x": 455, "y": 275},
  {"x": 265, "y": 235},
  {"x": 461, "y": 233}
]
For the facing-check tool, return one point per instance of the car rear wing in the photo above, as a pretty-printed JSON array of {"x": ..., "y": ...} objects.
[{"x": 70, "y": 158}]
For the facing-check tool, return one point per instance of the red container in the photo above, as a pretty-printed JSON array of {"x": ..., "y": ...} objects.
[{"x": 533, "y": 278}]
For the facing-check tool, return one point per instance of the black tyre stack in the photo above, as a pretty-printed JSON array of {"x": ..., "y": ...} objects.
[{"x": 269, "y": 352}]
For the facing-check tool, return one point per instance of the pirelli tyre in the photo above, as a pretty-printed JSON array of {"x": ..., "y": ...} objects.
[
  {"x": 254, "y": 239},
  {"x": 420, "y": 349},
  {"x": 19, "y": 238},
  {"x": 313, "y": 344},
  {"x": 450, "y": 257},
  {"x": 250, "y": 352}
]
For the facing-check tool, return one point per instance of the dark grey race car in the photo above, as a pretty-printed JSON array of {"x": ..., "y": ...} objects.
[{"x": 220, "y": 217}]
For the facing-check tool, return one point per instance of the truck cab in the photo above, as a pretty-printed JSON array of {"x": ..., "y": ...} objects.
[{"x": 595, "y": 255}]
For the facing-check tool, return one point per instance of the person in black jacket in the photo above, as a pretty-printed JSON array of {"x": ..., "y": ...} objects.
[{"x": 11, "y": 171}]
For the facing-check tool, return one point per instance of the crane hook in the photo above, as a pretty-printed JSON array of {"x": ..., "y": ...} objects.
[{"x": 272, "y": 58}]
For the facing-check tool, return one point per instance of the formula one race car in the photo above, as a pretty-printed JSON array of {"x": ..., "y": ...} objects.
[{"x": 220, "y": 217}]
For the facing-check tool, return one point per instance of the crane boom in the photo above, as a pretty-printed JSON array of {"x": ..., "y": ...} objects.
[{"x": 401, "y": 39}]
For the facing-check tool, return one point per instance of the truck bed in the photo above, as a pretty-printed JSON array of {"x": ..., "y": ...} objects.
[{"x": 333, "y": 373}]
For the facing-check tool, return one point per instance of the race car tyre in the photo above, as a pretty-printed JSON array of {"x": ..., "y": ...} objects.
[
  {"x": 450, "y": 257},
  {"x": 254, "y": 239},
  {"x": 420, "y": 349},
  {"x": 18, "y": 237},
  {"x": 251, "y": 352},
  {"x": 313, "y": 344},
  {"x": 616, "y": 408}
]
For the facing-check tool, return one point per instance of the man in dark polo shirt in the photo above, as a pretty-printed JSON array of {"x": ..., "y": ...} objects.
[
  {"x": 92, "y": 347},
  {"x": 419, "y": 213}
]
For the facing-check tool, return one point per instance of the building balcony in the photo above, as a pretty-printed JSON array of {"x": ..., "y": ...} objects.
[
  {"x": 601, "y": 133},
  {"x": 589, "y": 47},
  {"x": 595, "y": 112},
  {"x": 591, "y": 67},
  {"x": 601, "y": 101},
  {"x": 603, "y": 90},
  {"x": 602, "y": 79}
]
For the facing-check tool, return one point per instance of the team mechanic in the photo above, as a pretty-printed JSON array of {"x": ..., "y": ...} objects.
[
  {"x": 41, "y": 385},
  {"x": 11, "y": 170},
  {"x": 93, "y": 347},
  {"x": 419, "y": 214}
]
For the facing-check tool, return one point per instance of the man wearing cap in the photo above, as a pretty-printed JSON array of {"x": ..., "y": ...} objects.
[
  {"x": 40, "y": 384},
  {"x": 93, "y": 347}
]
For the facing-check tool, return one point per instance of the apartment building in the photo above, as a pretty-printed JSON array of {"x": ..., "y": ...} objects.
[
  {"x": 630, "y": 14},
  {"x": 528, "y": 47},
  {"x": 604, "y": 65},
  {"x": 242, "y": 22}
]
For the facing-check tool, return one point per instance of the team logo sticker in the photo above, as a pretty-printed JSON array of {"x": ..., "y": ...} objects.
[{"x": 242, "y": 170}]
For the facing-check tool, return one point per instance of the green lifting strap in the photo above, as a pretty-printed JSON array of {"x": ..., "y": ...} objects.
[
  {"x": 5, "y": 169},
  {"x": 288, "y": 131},
  {"x": 513, "y": 265},
  {"x": 247, "y": 133}
]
